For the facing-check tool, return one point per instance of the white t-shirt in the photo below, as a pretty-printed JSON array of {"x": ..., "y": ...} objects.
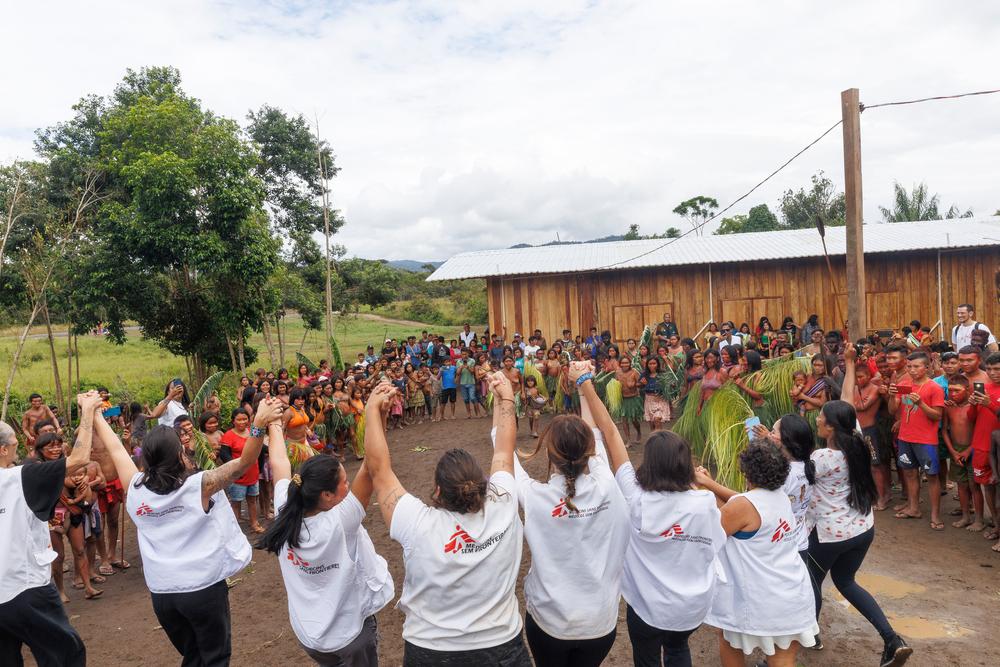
[
  {"x": 961, "y": 334},
  {"x": 26, "y": 554},
  {"x": 799, "y": 492},
  {"x": 530, "y": 350},
  {"x": 833, "y": 517},
  {"x": 461, "y": 569},
  {"x": 573, "y": 588},
  {"x": 466, "y": 338},
  {"x": 670, "y": 564},
  {"x": 334, "y": 578},
  {"x": 174, "y": 410}
]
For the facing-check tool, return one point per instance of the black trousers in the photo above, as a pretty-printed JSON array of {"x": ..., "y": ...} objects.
[
  {"x": 551, "y": 652},
  {"x": 653, "y": 647},
  {"x": 509, "y": 654},
  {"x": 197, "y": 624},
  {"x": 36, "y": 617}
]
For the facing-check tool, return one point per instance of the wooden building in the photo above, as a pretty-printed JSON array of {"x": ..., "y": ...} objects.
[{"x": 918, "y": 270}]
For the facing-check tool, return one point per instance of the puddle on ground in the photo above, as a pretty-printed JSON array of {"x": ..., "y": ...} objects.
[{"x": 878, "y": 584}]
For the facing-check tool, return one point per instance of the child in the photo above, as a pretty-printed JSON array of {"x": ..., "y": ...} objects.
[
  {"x": 357, "y": 429},
  {"x": 632, "y": 408},
  {"x": 798, "y": 386},
  {"x": 434, "y": 384},
  {"x": 84, "y": 524},
  {"x": 534, "y": 403},
  {"x": 957, "y": 433},
  {"x": 867, "y": 402}
]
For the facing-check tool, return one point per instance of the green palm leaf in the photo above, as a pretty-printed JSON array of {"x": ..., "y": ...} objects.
[
  {"x": 613, "y": 398},
  {"x": 203, "y": 451},
  {"x": 303, "y": 359},
  {"x": 207, "y": 388},
  {"x": 338, "y": 360}
]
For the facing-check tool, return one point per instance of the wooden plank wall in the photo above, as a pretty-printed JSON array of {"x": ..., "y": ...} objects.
[{"x": 899, "y": 288}]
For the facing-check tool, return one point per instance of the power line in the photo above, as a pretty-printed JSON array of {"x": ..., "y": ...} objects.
[
  {"x": 733, "y": 203},
  {"x": 928, "y": 99}
]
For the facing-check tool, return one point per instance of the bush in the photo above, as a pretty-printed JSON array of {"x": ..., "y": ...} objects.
[{"x": 421, "y": 309}]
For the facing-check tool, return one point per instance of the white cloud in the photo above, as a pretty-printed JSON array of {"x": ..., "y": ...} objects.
[{"x": 481, "y": 124}]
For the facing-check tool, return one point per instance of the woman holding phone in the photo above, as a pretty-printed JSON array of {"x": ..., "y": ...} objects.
[{"x": 174, "y": 403}]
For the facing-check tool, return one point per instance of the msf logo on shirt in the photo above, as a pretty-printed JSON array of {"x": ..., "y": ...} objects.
[
  {"x": 674, "y": 531},
  {"x": 457, "y": 541},
  {"x": 560, "y": 510},
  {"x": 296, "y": 560},
  {"x": 780, "y": 532},
  {"x": 143, "y": 510}
]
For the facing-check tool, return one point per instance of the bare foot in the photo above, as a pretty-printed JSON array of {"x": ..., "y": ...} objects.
[
  {"x": 962, "y": 523},
  {"x": 257, "y": 528},
  {"x": 65, "y": 598},
  {"x": 975, "y": 526},
  {"x": 991, "y": 534},
  {"x": 996, "y": 547},
  {"x": 93, "y": 594}
]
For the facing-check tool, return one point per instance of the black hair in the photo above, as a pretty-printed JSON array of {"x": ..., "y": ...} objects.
[
  {"x": 45, "y": 439},
  {"x": 100, "y": 389},
  {"x": 841, "y": 417},
  {"x": 180, "y": 419},
  {"x": 813, "y": 320},
  {"x": 764, "y": 465},
  {"x": 41, "y": 423},
  {"x": 462, "y": 486},
  {"x": 948, "y": 356},
  {"x": 236, "y": 412},
  {"x": 993, "y": 359},
  {"x": 185, "y": 399},
  {"x": 754, "y": 362},
  {"x": 798, "y": 440},
  {"x": 666, "y": 464},
  {"x": 317, "y": 474},
  {"x": 971, "y": 349},
  {"x": 206, "y": 417},
  {"x": 687, "y": 341},
  {"x": 163, "y": 469},
  {"x": 919, "y": 356},
  {"x": 34, "y": 396}
]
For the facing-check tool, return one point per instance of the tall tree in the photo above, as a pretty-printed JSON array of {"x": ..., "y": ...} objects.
[
  {"x": 918, "y": 204},
  {"x": 800, "y": 209},
  {"x": 696, "y": 211},
  {"x": 759, "y": 219},
  {"x": 673, "y": 233}
]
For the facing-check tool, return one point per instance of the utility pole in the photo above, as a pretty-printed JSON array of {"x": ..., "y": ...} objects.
[{"x": 857, "y": 315}]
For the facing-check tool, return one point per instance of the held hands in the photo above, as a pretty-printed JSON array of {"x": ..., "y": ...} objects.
[
  {"x": 850, "y": 353},
  {"x": 500, "y": 386},
  {"x": 914, "y": 398},
  {"x": 380, "y": 397},
  {"x": 89, "y": 402},
  {"x": 701, "y": 476},
  {"x": 578, "y": 368},
  {"x": 269, "y": 410}
]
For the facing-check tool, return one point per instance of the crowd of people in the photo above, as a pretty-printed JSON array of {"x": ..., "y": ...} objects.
[{"x": 686, "y": 550}]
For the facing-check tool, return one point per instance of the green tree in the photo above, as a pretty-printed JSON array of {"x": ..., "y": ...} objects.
[
  {"x": 633, "y": 233},
  {"x": 800, "y": 209},
  {"x": 696, "y": 211},
  {"x": 759, "y": 219},
  {"x": 673, "y": 233},
  {"x": 917, "y": 204}
]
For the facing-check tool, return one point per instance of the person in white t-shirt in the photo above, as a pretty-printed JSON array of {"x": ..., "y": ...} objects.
[
  {"x": 31, "y": 611},
  {"x": 175, "y": 398},
  {"x": 764, "y": 597},
  {"x": 334, "y": 579},
  {"x": 189, "y": 539},
  {"x": 675, "y": 533},
  {"x": 961, "y": 333},
  {"x": 462, "y": 553},
  {"x": 576, "y": 524}
]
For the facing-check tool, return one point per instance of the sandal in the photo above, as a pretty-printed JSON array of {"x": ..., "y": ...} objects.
[
  {"x": 120, "y": 565},
  {"x": 991, "y": 534},
  {"x": 904, "y": 515},
  {"x": 93, "y": 596},
  {"x": 937, "y": 525},
  {"x": 106, "y": 569},
  {"x": 97, "y": 579}
]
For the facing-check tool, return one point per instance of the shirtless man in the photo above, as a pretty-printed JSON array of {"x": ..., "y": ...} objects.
[
  {"x": 513, "y": 375},
  {"x": 109, "y": 500},
  {"x": 631, "y": 401},
  {"x": 970, "y": 360},
  {"x": 37, "y": 411},
  {"x": 867, "y": 401},
  {"x": 552, "y": 369},
  {"x": 956, "y": 430}
]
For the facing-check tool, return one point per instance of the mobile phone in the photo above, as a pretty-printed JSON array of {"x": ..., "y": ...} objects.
[
  {"x": 979, "y": 387},
  {"x": 884, "y": 333},
  {"x": 749, "y": 423},
  {"x": 904, "y": 389},
  {"x": 113, "y": 411},
  {"x": 176, "y": 382}
]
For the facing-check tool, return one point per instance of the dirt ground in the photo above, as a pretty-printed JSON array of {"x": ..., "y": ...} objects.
[{"x": 940, "y": 590}]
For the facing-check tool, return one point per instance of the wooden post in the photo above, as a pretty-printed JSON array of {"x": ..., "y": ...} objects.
[{"x": 850, "y": 107}]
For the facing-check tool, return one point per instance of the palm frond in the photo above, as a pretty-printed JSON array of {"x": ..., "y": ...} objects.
[
  {"x": 613, "y": 398},
  {"x": 337, "y": 363},
  {"x": 724, "y": 415},
  {"x": 359, "y": 435},
  {"x": 207, "y": 388},
  {"x": 645, "y": 339},
  {"x": 203, "y": 450},
  {"x": 689, "y": 425},
  {"x": 303, "y": 359}
]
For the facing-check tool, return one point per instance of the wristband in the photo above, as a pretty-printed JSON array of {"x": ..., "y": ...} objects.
[
  {"x": 256, "y": 431},
  {"x": 583, "y": 378}
]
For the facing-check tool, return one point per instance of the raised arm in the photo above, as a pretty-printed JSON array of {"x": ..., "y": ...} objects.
[
  {"x": 504, "y": 422},
  {"x": 386, "y": 485},
  {"x": 219, "y": 478},
  {"x": 277, "y": 453},
  {"x": 599, "y": 413},
  {"x": 124, "y": 464},
  {"x": 89, "y": 403},
  {"x": 847, "y": 390},
  {"x": 175, "y": 394}
]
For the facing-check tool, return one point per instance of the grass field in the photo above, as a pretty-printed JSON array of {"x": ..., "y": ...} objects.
[{"x": 140, "y": 369}]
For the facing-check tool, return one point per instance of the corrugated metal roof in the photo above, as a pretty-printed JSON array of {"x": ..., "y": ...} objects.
[{"x": 728, "y": 248}]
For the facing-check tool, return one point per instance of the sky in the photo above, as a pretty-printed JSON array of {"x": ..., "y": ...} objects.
[{"x": 472, "y": 125}]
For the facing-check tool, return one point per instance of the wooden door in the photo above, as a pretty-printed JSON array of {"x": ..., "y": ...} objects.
[{"x": 627, "y": 322}]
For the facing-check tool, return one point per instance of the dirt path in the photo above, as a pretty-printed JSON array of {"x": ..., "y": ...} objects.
[{"x": 941, "y": 590}]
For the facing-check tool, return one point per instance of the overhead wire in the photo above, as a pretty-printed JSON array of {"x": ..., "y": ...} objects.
[{"x": 812, "y": 143}]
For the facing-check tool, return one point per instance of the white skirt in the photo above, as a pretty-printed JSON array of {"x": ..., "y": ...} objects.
[{"x": 768, "y": 644}]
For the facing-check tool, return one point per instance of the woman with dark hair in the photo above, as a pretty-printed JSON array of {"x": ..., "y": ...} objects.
[
  {"x": 656, "y": 409},
  {"x": 788, "y": 325},
  {"x": 711, "y": 334},
  {"x": 668, "y": 580},
  {"x": 573, "y": 623},
  {"x": 694, "y": 368},
  {"x": 843, "y": 524},
  {"x": 763, "y": 600},
  {"x": 816, "y": 391},
  {"x": 281, "y": 391},
  {"x": 765, "y": 336},
  {"x": 750, "y": 363},
  {"x": 247, "y": 486},
  {"x": 174, "y": 403},
  {"x": 334, "y": 579},
  {"x": 461, "y": 553},
  {"x": 811, "y": 325},
  {"x": 51, "y": 447},
  {"x": 747, "y": 335},
  {"x": 296, "y": 422},
  {"x": 305, "y": 379},
  {"x": 263, "y": 391},
  {"x": 188, "y": 536},
  {"x": 713, "y": 378}
]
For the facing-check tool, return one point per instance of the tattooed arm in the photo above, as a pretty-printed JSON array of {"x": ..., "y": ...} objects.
[
  {"x": 387, "y": 488},
  {"x": 504, "y": 422},
  {"x": 268, "y": 415}
]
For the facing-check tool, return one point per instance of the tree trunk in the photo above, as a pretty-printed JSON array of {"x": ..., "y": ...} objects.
[
  {"x": 70, "y": 394},
  {"x": 232, "y": 352},
  {"x": 76, "y": 361},
  {"x": 326, "y": 237},
  {"x": 281, "y": 342},
  {"x": 16, "y": 359},
  {"x": 239, "y": 350},
  {"x": 268, "y": 342},
  {"x": 55, "y": 360},
  {"x": 303, "y": 343}
]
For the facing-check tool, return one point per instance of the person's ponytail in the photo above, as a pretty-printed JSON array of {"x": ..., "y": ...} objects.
[
  {"x": 316, "y": 475},
  {"x": 842, "y": 418}
]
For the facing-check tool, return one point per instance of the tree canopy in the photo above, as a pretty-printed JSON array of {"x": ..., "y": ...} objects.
[{"x": 918, "y": 204}]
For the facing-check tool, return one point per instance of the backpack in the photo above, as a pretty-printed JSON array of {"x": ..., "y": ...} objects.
[{"x": 954, "y": 332}]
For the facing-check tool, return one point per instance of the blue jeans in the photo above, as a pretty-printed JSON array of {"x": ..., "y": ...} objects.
[
  {"x": 468, "y": 392},
  {"x": 239, "y": 492}
]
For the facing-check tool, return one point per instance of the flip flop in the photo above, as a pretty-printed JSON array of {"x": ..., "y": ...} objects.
[
  {"x": 93, "y": 596},
  {"x": 996, "y": 547},
  {"x": 991, "y": 535},
  {"x": 120, "y": 565},
  {"x": 904, "y": 515},
  {"x": 106, "y": 569},
  {"x": 78, "y": 585},
  {"x": 97, "y": 579},
  {"x": 955, "y": 512},
  {"x": 937, "y": 526}
]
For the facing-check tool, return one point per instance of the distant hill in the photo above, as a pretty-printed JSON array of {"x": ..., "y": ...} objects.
[
  {"x": 412, "y": 264},
  {"x": 603, "y": 239}
]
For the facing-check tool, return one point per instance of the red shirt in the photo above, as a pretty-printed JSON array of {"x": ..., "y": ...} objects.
[
  {"x": 236, "y": 444},
  {"x": 985, "y": 418},
  {"x": 914, "y": 425}
]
